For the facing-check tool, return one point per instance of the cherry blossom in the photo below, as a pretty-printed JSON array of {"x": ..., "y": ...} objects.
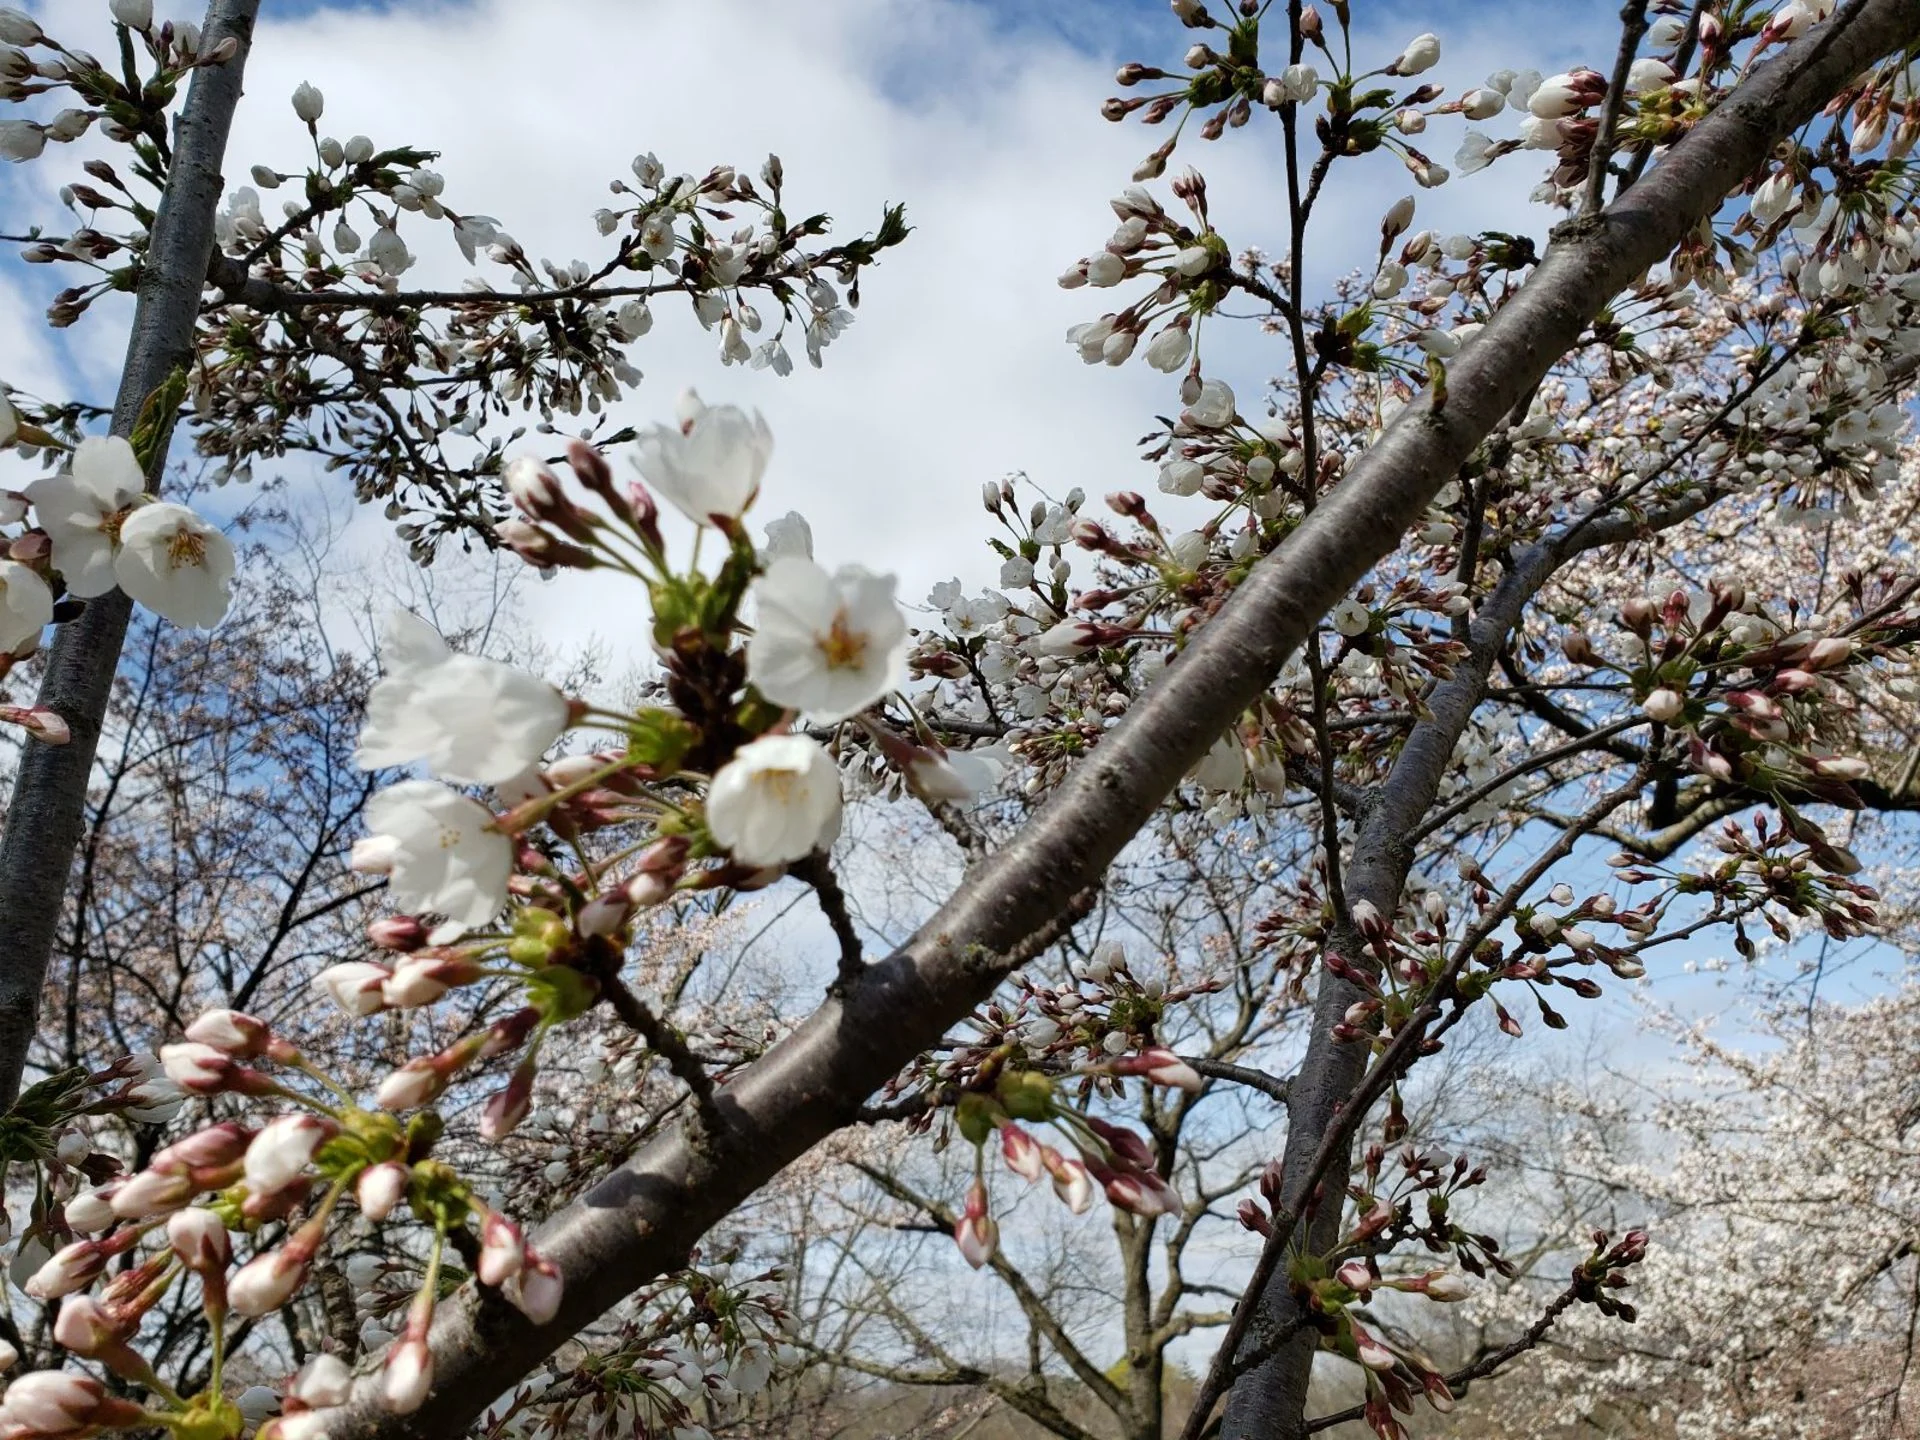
[
  {"x": 175, "y": 564},
  {"x": 710, "y": 465},
  {"x": 26, "y": 608},
  {"x": 441, "y": 853},
  {"x": 776, "y": 801},
  {"x": 83, "y": 509},
  {"x": 472, "y": 720},
  {"x": 830, "y": 645}
]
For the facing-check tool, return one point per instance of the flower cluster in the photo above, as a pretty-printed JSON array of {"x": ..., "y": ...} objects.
[{"x": 94, "y": 527}]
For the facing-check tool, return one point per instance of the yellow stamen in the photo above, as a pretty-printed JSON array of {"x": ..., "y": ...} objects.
[
  {"x": 844, "y": 649},
  {"x": 187, "y": 547}
]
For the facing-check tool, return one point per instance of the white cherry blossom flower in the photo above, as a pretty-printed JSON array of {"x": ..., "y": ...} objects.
[
  {"x": 308, "y": 103},
  {"x": 957, "y": 777},
  {"x": 1223, "y": 767},
  {"x": 175, "y": 564},
  {"x": 445, "y": 856},
  {"x": 830, "y": 645},
  {"x": 776, "y": 801},
  {"x": 1213, "y": 407},
  {"x": 473, "y": 720},
  {"x": 26, "y": 608},
  {"x": 709, "y": 466},
  {"x": 1351, "y": 618},
  {"x": 82, "y": 510},
  {"x": 789, "y": 535}
]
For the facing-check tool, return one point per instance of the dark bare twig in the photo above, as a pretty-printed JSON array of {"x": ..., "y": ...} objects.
[
  {"x": 817, "y": 871},
  {"x": 1272, "y": 1086},
  {"x": 1461, "y": 1380},
  {"x": 1633, "y": 22},
  {"x": 666, "y": 1042}
]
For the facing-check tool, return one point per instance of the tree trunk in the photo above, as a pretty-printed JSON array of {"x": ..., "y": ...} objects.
[{"x": 46, "y": 815}]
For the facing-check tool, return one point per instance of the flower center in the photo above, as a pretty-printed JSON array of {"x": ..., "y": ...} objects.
[
  {"x": 187, "y": 547},
  {"x": 845, "y": 648},
  {"x": 780, "y": 784},
  {"x": 110, "y": 525}
]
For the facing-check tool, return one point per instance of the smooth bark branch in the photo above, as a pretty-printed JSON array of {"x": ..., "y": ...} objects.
[
  {"x": 45, "y": 818},
  {"x": 644, "y": 1217}
]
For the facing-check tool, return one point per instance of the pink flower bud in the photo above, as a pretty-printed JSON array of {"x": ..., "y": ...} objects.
[
  {"x": 305, "y": 1425},
  {"x": 1021, "y": 1152},
  {"x": 60, "y": 1402},
  {"x": 1144, "y": 1194},
  {"x": 1370, "y": 1352},
  {"x": 1443, "y": 1285},
  {"x": 84, "y": 1328},
  {"x": 280, "y": 1152},
  {"x": 1356, "y": 1277},
  {"x": 542, "y": 547},
  {"x": 72, "y": 1268},
  {"x": 1124, "y": 1146},
  {"x": 325, "y": 1381},
  {"x": 91, "y": 1211},
  {"x": 1162, "y": 1067},
  {"x": 1367, "y": 919},
  {"x": 268, "y": 1281},
  {"x": 215, "y": 1146},
  {"x": 38, "y": 721},
  {"x": 503, "y": 1249},
  {"x": 407, "y": 1378},
  {"x": 1663, "y": 704},
  {"x": 536, "y": 1290},
  {"x": 1254, "y": 1218},
  {"x": 604, "y": 914},
  {"x": 976, "y": 1233},
  {"x": 230, "y": 1032},
  {"x": 199, "y": 1238},
  {"x": 380, "y": 1188},
  {"x": 506, "y": 1108},
  {"x": 422, "y": 978},
  {"x": 150, "y": 1193},
  {"x": 202, "y": 1070},
  {"x": 355, "y": 986},
  {"x": 1839, "y": 767},
  {"x": 397, "y": 932},
  {"x": 1071, "y": 1182},
  {"x": 412, "y": 1085}
]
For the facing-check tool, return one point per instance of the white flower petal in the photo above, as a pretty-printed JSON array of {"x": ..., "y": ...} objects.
[{"x": 175, "y": 564}]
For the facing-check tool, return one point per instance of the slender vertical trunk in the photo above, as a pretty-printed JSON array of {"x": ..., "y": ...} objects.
[{"x": 45, "y": 816}]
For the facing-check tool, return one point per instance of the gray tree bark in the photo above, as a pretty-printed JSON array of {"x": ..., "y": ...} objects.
[{"x": 46, "y": 815}]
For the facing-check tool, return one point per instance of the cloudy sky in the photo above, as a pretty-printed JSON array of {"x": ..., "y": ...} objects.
[{"x": 981, "y": 115}]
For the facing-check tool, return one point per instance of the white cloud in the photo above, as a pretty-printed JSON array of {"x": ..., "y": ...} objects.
[{"x": 988, "y": 129}]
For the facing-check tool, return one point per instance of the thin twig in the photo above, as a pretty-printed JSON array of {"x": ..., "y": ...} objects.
[
  {"x": 817, "y": 872},
  {"x": 1633, "y": 21},
  {"x": 1271, "y": 1086},
  {"x": 1461, "y": 1380},
  {"x": 666, "y": 1042}
]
